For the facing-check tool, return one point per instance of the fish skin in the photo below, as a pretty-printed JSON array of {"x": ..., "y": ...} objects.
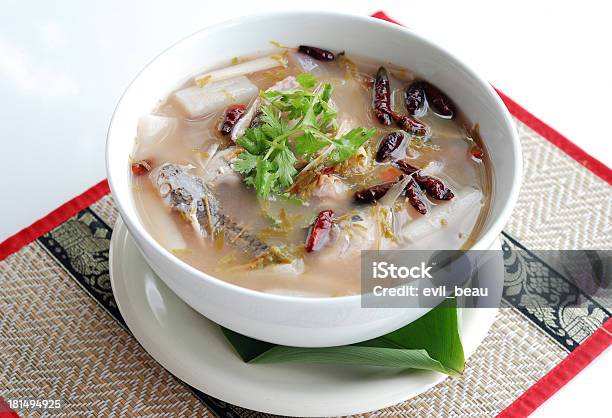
[{"x": 186, "y": 194}]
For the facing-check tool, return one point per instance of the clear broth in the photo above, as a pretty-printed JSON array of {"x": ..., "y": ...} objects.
[{"x": 189, "y": 141}]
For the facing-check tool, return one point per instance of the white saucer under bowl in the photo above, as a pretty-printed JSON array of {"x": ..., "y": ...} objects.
[{"x": 193, "y": 348}]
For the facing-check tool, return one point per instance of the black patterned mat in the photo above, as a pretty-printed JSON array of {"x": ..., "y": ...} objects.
[{"x": 81, "y": 246}]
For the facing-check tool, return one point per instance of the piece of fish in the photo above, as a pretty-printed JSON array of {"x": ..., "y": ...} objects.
[
  {"x": 329, "y": 188},
  {"x": 187, "y": 195},
  {"x": 286, "y": 84},
  {"x": 358, "y": 230},
  {"x": 219, "y": 171},
  {"x": 352, "y": 235},
  {"x": 369, "y": 228}
]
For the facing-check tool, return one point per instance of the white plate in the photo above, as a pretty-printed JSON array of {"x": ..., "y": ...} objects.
[{"x": 194, "y": 349}]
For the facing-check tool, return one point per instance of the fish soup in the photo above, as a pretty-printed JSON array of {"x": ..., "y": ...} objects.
[{"x": 274, "y": 172}]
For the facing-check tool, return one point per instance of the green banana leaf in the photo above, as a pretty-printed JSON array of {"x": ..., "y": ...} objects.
[{"x": 430, "y": 343}]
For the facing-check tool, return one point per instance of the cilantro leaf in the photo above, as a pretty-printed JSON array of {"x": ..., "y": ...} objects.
[
  {"x": 300, "y": 121},
  {"x": 245, "y": 163},
  {"x": 272, "y": 124},
  {"x": 285, "y": 161},
  {"x": 349, "y": 143},
  {"x": 326, "y": 92},
  {"x": 306, "y": 80},
  {"x": 254, "y": 141},
  {"x": 264, "y": 177},
  {"x": 307, "y": 144}
]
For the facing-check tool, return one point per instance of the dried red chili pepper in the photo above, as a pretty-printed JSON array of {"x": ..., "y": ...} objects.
[
  {"x": 414, "y": 97},
  {"x": 318, "y": 234},
  {"x": 413, "y": 193},
  {"x": 232, "y": 115},
  {"x": 317, "y": 53},
  {"x": 405, "y": 167},
  {"x": 381, "y": 101},
  {"x": 141, "y": 167},
  {"x": 374, "y": 193},
  {"x": 328, "y": 170},
  {"x": 439, "y": 102},
  {"x": 410, "y": 124},
  {"x": 477, "y": 153},
  {"x": 434, "y": 187},
  {"x": 388, "y": 144}
]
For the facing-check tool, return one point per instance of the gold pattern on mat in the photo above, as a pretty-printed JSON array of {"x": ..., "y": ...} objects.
[{"x": 552, "y": 301}]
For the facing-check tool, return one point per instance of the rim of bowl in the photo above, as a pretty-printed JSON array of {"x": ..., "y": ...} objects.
[{"x": 488, "y": 235}]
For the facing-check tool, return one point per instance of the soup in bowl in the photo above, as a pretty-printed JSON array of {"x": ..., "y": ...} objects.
[{"x": 253, "y": 162}]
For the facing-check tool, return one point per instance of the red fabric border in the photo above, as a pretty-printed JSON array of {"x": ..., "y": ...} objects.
[
  {"x": 563, "y": 372},
  {"x": 6, "y": 411},
  {"x": 53, "y": 219},
  {"x": 383, "y": 16},
  {"x": 594, "y": 165}
]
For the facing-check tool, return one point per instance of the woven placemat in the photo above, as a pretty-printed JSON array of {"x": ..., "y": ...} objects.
[{"x": 62, "y": 337}]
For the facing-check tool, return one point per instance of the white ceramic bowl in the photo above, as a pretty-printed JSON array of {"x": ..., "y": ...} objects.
[{"x": 308, "y": 322}]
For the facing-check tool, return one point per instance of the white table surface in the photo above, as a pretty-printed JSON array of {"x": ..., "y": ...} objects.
[{"x": 64, "y": 64}]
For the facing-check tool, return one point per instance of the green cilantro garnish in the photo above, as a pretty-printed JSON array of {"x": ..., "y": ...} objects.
[
  {"x": 306, "y": 80},
  {"x": 297, "y": 122}
]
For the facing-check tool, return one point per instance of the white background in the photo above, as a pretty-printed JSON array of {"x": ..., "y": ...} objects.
[{"x": 64, "y": 64}]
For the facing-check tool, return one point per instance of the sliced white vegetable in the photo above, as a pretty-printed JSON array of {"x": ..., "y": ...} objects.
[
  {"x": 397, "y": 189},
  {"x": 286, "y": 84},
  {"x": 199, "y": 101},
  {"x": 194, "y": 135},
  {"x": 305, "y": 63},
  {"x": 154, "y": 127},
  {"x": 152, "y": 130},
  {"x": 448, "y": 213},
  {"x": 244, "y": 68}
]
